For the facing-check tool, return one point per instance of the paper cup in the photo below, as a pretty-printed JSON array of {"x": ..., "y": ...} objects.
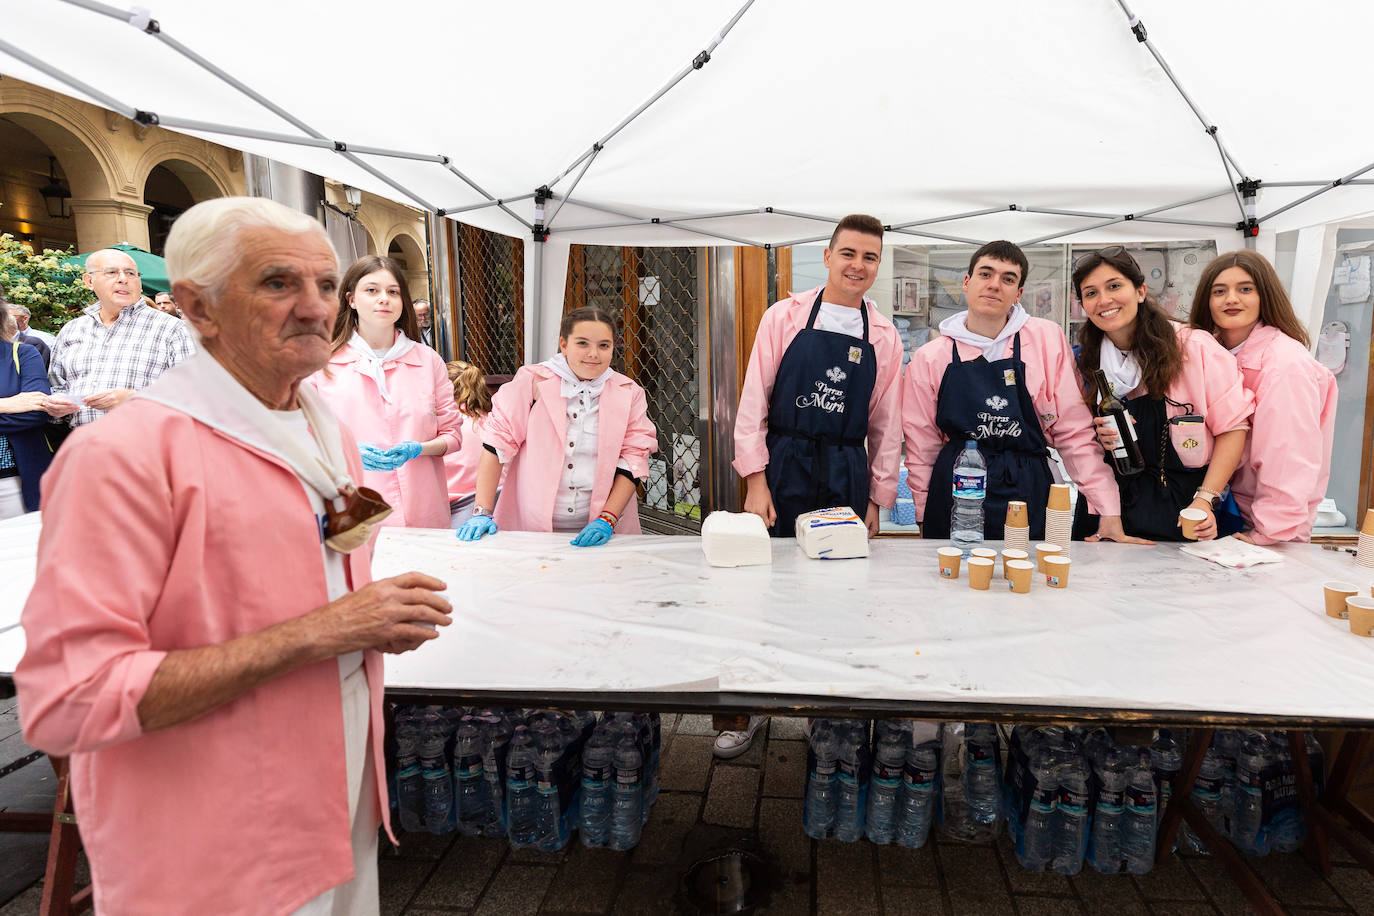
[
  {"x": 985, "y": 552},
  {"x": 1190, "y": 518},
  {"x": 1011, "y": 553},
  {"x": 980, "y": 572},
  {"x": 1336, "y": 592},
  {"x": 1019, "y": 575},
  {"x": 1018, "y": 516},
  {"x": 1042, "y": 551},
  {"x": 1368, "y": 526},
  {"x": 1060, "y": 499},
  {"x": 1017, "y": 537},
  {"x": 1361, "y": 611},
  {"x": 1057, "y": 571},
  {"x": 949, "y": 562}
]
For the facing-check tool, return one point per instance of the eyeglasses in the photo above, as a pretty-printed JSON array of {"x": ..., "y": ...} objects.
[
  {"x": 1111, "y": 251},
  {"x": 111, "y": 273}
]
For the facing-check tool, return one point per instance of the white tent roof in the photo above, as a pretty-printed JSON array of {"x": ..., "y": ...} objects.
[{"x": 910, "y": 111}]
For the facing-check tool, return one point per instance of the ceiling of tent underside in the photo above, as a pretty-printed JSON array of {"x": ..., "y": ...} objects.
[{"x": 913, "y": 112}]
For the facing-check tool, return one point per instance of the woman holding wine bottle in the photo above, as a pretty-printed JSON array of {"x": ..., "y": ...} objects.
[{"x": 1172, "y": 409}]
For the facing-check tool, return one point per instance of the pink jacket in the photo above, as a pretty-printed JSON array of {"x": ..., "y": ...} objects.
[
  {"x": 531, "y": 437},
  {"x": 421, "y": 408},
  {"x": 1287, "y": 461},
  {"x": 1051, "y": 379},
  {"x": 460, "y": 465},
  {"x": 161, "y": 533},
  {"x": 779, "y": 326}
]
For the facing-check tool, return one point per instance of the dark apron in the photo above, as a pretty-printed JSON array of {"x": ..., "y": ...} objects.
[
  {"x": 1152, "y": 499},
  {"x": 818, "y": 422},
  {"x": 989, "y": 402}
]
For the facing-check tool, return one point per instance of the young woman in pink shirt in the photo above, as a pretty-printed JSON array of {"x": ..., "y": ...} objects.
[
  {"x": 576, "y": 436},
  {"x": 1286, "y": 464},
  {"x": 1182, "y": 390},
  {"x": 393, "y": 394},
  {"x": 474, "y": 403}
]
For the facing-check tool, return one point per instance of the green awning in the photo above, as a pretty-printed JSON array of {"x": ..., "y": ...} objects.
[{"x": 151, "y": 268}]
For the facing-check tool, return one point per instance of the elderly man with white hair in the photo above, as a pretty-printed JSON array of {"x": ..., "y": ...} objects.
[
  {"x": 203, "y": 640},
  {"x": 116, "y": 346}
]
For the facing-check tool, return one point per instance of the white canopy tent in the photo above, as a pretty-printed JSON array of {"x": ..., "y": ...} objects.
[{"x": 761, "y": 123}]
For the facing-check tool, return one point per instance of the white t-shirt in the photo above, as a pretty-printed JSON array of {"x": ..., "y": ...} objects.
[{"x": 841, "y": 319}]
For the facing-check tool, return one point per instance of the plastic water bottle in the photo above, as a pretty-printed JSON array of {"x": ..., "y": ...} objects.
[
  {"x": 549, "y": 742},
  {"x": 1166, "y": 759},
  {"x": 410, "y": 788},
  {"x": 470, "y": 780},
  {"x": 435, "y": 773},
  {"x": 1247, "y": 825},
  {"x": 497, "y": 727},
  {"x": 1138, "y": 821},
  {"x": 1226, "y": 742},
  {"x": 818, "y": 812},
  {"x": 1287, "y": 831},
  {"x": 628, "y": 798},
  {"x": 651, "y": 765},
  {"x": 522, "y": 793},
  {"x": 980, "y": 752},
  {"x": 851, "y": 780},
  {"x": 885, "y": 784},
  {"x": 1036, "y": 849},
  {"x": 1104, "y": 850},
  {"x": 970, "y": 485},
  {"x": 918, "y": 794},
  {"x": 598, "y": 775},
  {"x": 1206, "y": 795},
  {"x": 1071, "y": 829}
]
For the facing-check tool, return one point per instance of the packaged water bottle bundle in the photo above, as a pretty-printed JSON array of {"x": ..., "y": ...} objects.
[
  {"x": 1049, "y": 793},
  {"x": 837, "y": 774}
]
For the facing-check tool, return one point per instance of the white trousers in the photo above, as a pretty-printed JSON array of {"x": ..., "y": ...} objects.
[{"x": 11, "y": 498}]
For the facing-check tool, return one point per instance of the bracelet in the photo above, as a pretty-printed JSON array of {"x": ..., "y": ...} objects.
[{"x": 609, "y": 517}]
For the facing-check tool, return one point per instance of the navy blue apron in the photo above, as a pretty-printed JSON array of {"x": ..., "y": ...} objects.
[
  {"x": 989, "y": 402},
  {"x": 818, "y": 422},
  {"x": 1152, "y": 499}
]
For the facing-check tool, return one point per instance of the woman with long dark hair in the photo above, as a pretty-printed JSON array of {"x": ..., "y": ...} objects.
[
  {"x": 1287, "y": 460},
  {"x": 1183, "y": 392},
  {"x": 393, "y": 394}
]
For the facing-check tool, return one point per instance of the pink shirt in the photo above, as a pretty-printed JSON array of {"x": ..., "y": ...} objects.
[
  {"x": 421, "y": 408},
  {"x": 1211, "y": 382},
  {"x": 460, "y": 465},
  {"x": 779, "y": 326},
  {"x": 1287, "y": 461},
  {"x": 1052, "y": 380},
  {"x": 528, "y": 418},
  {"x": 160, "y": 533}
]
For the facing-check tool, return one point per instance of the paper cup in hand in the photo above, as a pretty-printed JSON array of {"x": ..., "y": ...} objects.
[
  {"x": 949, "y": 562},
  {"x": 1019, "y": 575},
  {"x": 1011, "y": 553},
  {"x": 1336, "y": 593},
  {"x": 1189, "y": 518},
  {"x": 980, "y": 572},
  {"x": 1017, "y": 514},
  {"x": 1042, "y": 551},
  {"x": 1361, "y": 611},
  {"x": 1057, "y": 571},
  {"x": 1060, "y": 498}
]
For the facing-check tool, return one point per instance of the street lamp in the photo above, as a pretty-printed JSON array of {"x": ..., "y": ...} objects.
[{"x": 56, "y": 197}]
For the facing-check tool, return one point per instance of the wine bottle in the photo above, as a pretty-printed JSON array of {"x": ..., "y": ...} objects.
[{"x": 1126, "y": 457}]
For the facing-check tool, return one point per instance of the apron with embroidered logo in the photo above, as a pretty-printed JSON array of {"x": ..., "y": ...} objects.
[
  {"x": 989, "y": 402},
  {"x": 818, "y": 423}
]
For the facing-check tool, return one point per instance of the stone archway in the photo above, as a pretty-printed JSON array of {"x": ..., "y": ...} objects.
[
  {"x": 28, "y": 139},
  {"x": 410, "y": 253},
  {"x": 171, "y": 187}
]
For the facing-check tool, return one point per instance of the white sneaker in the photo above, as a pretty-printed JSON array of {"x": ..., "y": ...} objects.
[{"x": 732, "y": 744}]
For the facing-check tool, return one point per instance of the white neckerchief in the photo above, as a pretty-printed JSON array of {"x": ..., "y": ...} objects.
[
  {"x": 586, "y": 391},
  {"x": 956, "y": 326},
  {"x": 373, "y": 363},
  {"x": 201, "y": 388},
  {"x": 1123, "y": 370}
]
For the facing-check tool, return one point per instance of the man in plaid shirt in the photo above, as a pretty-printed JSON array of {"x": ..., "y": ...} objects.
[{"x": 118, "y": 345}]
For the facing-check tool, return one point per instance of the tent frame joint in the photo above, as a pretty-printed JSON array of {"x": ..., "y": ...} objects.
[
  {"x": 146, "y": 118},
  {"x": 701, "y": 60}
]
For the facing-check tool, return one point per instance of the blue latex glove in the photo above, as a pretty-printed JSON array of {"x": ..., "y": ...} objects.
[
  {"x": 476, "y": 528},
  {"x": 374, "y": 459},
  {"x": 402, "y": 452},
  {"x": 594, "y": 535}
]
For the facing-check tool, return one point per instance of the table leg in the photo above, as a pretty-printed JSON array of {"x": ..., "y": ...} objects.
[
  {"x": 63, "y": 845},
  {"x": 1249, "y": 884},
  {"x": 1314, "y": 849},
  {"x": 1198, "y": 743}
]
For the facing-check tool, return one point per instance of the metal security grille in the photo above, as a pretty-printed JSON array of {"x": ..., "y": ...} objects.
[
  {"x": 491, "y": 284},
  {"x": 655, "y": 294}
]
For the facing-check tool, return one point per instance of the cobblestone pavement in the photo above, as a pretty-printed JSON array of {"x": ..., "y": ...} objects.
[{"x": 757, "y": 798}]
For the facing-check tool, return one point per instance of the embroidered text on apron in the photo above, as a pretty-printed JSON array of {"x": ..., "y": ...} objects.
[
  {"x": 989, "y": 402},
  {"x": 818, "y": 422}
]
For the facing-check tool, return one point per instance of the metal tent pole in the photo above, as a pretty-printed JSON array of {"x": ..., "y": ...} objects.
[{"x": 1348, "y": 179}]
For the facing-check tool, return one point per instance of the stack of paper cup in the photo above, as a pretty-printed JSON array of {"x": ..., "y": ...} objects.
[
  {"x": 1364, "y": 553},
  {"x": 1017, "y": 531},
  {"x": 1059, "y": 517}
]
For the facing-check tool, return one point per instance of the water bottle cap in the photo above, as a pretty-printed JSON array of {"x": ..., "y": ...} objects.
[{"x": 971, "y": 444}]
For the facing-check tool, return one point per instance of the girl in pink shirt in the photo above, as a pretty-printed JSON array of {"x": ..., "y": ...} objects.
[
  {"x": 576, "y": 436},
  {"x": 1183, "y": 392},
  {"x": 393, "y": 394},
  {"x": 474, "y": 403},
  {"x": 1286, "y": 464}
]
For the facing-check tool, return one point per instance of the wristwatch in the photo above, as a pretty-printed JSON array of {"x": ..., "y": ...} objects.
[
  {"x": 1207, "y": 495},
  {"x": 478, "y": 510}
]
